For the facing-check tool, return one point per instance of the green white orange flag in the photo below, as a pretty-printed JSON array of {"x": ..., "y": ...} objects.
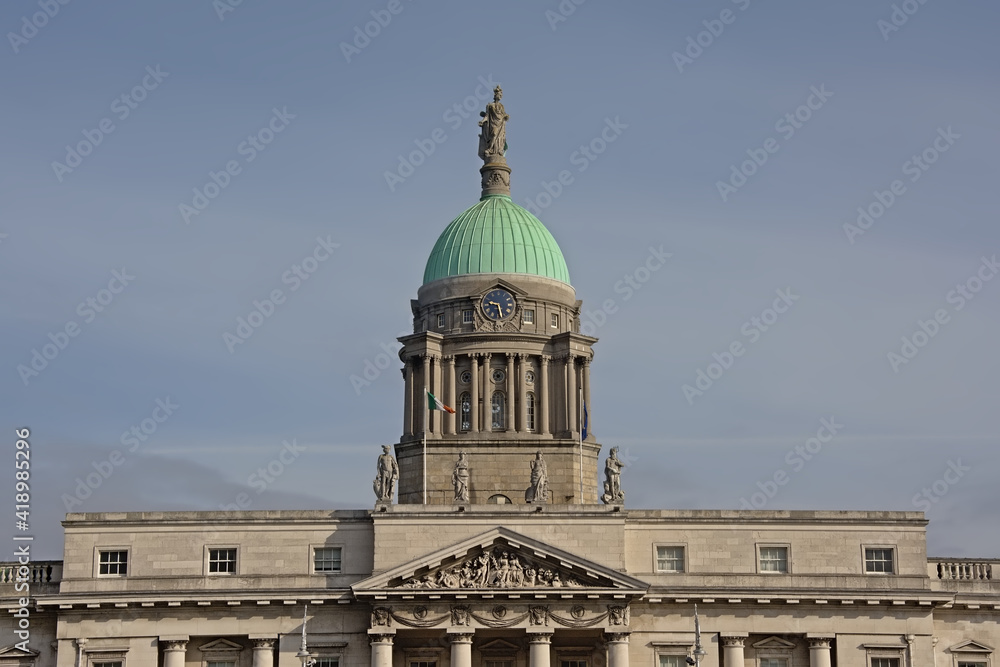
[{"x": 434, "y": 404}]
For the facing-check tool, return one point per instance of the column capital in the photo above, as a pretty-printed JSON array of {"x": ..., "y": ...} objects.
[
  {"x": 459, "y": 636},
  {"x": 262, "y": 644},
  {"x": 173, "y": 644},
  {"x": 381, "y": 636},
  {"x": 817, "y": 641},
  {"x": 734, "y": 640},
  {"x": 449, "y": 358},
  {"x": 617, "y": 637},
  {"x": 545, "y": 359},
  {"x": 539, "y": 636}
]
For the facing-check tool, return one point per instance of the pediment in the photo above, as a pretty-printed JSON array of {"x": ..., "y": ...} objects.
[
  {"x": 220, "y": 646},
  {"x": 15, "y": 652},
  {"x": 499, "y": 560},
  {"x": 971, "y": 646},
  {"x": 499, "y": 647},
  {"x": 774, "y": 644}
]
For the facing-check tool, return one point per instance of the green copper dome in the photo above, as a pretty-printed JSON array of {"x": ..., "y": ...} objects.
[{"x": 496, "y": 236}]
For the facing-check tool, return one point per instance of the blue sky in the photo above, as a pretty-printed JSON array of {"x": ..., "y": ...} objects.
[{"x": 864, "y": 99}]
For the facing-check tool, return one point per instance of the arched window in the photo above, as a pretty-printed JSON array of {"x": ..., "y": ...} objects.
[
  {"x": 466, "y": 405},
  {"x": 499, "y": 411},
  {"x": 529, "y": 404}
]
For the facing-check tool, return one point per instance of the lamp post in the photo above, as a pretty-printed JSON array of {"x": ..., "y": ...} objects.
[
  {"x": 303, "y": 654},
  {"x": 699, "y": 652}
]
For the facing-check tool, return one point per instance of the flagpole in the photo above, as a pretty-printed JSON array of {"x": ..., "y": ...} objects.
[
  {"x": 426, "y": 417},
  {"x": 583, "y": 420}
]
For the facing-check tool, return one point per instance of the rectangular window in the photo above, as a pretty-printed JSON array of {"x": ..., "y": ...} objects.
[
  {"x": 115, "y": 663},
  {"x": 773, "y": 662},
  {"x": 885, "y": 662},
  {"x": 423, "y": 663},
  {"x": 327, "y": 662},
  {"x": 879, "y": 561},
  {"x": 441, "y": 321},
  {"x": 529, "y": 316},
  {"x": 326, "y": 559},
  {"x": 467, "y": 316},
  {"x": 669, "y": 559},
  {"x": 113, "y": 563},
  {"x": 222, "y": 561},
  {"x": 774, "y": 559},
  {"x": 221, "y": 663},
  {"x": 573, "y": 663},
  {"x": 964, "y": 663},
  {"x": 672, "y": 661},
  {"x": 498, "y": 663},
  {"x": 555, "y": 321}
]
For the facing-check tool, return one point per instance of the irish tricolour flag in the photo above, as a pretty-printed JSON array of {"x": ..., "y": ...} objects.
[{"x": 434, "y": 404}]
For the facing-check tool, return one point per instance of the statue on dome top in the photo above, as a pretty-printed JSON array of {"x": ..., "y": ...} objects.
[{"x": 493, "y": 139}]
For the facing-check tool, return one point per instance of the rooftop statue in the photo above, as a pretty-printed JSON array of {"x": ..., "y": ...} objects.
[
  {"x": 538, "y": 492},
  {"x": 613, "y": 494},
  {"x": 493, "y": 139},
  {"x": 460, "y": 478},
  {"x": 386, "y": 474}
]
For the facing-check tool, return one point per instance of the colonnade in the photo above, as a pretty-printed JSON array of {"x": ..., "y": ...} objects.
[{"x": 556, "y": 393}]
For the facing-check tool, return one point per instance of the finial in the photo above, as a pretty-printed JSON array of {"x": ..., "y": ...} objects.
[{"x": 493, "y": 146}]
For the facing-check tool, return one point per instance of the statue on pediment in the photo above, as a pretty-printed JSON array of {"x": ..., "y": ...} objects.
[
  {"x": 613, "y": 494},
  {"x": 495, "y": 569}
]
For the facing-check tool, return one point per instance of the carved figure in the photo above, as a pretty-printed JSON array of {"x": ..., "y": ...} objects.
[
  {"x": 538, "y": 492},
  {"x": 613, "y": 466},
  {"x": 460, "y": 479},
  {"x": 380, "y": 617},
  {"x": 618, "y": 615},
  {"x": 459, "y": 615},
  {"x": 495, "y": 569},
  {"x": 386, "y": 474},
  {"x": 539, "y": 615},
  {"x": 493, "y": 139}
]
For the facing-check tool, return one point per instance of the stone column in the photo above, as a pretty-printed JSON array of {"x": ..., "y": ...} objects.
[
  {"x": 571, "y": 396},
  {"x": 174, "y": 651},
  {"x": 522, "y": 394},
  {"x": 732, "y": 650},
  {"x": 263, "y": 652},
  {"x": 407, "y": 397},
  {"x": 461, "y": 648},
  {"x": 474, "y": 391},
  {"x": 487, "y": 394},
  {"x": 542, "y": 407},
  {"x": 510, "y": 393},
  {"x": 617, "y": 649},
  {"x": 381, "y": 648},
  {"x": 539, "y": 645},
  {"x": 586, "y": 394},
  {"x": 421, "y": 405},
  {"x": 450, "y": 399},
  {"x": 819, "y": 651}
]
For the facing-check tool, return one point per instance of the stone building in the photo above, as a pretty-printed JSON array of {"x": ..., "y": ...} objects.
[{"x": 510, "y": 544}]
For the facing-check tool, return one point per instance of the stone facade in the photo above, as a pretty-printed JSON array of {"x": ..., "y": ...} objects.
[{"x": 463, "y": 586}]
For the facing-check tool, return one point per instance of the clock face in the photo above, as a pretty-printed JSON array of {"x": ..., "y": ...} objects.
[{"x": 498, "y": 304}]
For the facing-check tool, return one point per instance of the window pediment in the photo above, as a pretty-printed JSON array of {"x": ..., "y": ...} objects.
[
  {"x": 971, "y": 646},
  {"x": 774, "y": 644}
]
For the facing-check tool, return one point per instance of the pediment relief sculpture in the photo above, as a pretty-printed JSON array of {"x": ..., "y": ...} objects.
[{"x": 496, "y": 568}]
